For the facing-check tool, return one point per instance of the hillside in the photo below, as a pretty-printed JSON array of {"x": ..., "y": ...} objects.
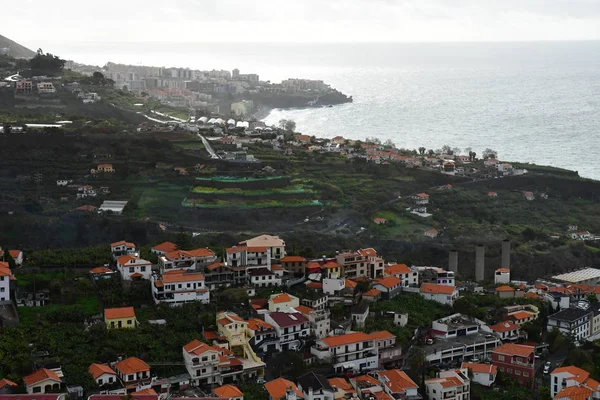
[{"x": 15, "y": 49}]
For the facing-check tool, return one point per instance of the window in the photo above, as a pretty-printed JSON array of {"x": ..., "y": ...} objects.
[
  {"x": 130, "y": 377},
  {"x": 501, "y": 369},
  {"x": 517, "y": 372},
  {"x": 500, "y": 358},
  {"x": 100, "y": 382},
  {"x": 509, "y": 370},
  {"x": 143, "y": 268},
  {"x": 525, "y": 373},
  {"x": 110, "y": 380},
  {"x": 37, "y": 389},
  {"x": 129, "y": 322},
  {"x": 131, "y": 270},
  {"x": 2, "y": 289}
]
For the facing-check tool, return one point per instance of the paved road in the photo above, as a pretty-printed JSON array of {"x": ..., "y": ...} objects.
[{"x": 208, "y": 147}]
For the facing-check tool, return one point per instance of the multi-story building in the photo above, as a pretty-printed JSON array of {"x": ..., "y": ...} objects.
[
  {"x": 408, "y": 276},
  {"x": 46, "y": 87},
  {"x": 243, "y": 256},
  {"x": 502, "y": 275},
  {"x": 516, "y": 360},
  {"x": 262, "y": 277},
  {"x": 282, "y": 302},
  {"x": 320, "y": 324},
  {"x": 484, "y": 374},
  {"x": 398, "y": 385},
  {"x": 350, "y": 352},
  {"x": 292, "y": 328},
  {"x": 361, "y": 263},
  {"x": 176, "y": 287},
  {"x": 123, "y": 248},
  {"x": 6, "y": 277},
  {"x": 264, "y": 339},
  {"x": 458, "y": 338},
  {"x": 389, "y": 353},
  {"x": 134, "y": 268},
  {"x": 573, "y": 383},
  {"x": 188, "y": 260},
  {"x": 133, "y": 372},
  {"x": 574, "y": 322},
  {"x": 217, "y": 275},
  {"x": 24, "y": 86},
  {"x": 294, "y": 264},
  {"x": 202, "y": 362},
  {"x": 449, "y": 385},
  {"x": 389, "y": 287},
  {"x": 273, "y": 245}
]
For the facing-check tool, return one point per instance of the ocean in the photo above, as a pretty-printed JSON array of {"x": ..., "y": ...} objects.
[{"x": 531, "y": 102}]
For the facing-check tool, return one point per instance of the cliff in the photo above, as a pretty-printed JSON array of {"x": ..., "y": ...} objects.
[
  {"x": 298, "y": 100},
  {"x": 15, "y": 49}
]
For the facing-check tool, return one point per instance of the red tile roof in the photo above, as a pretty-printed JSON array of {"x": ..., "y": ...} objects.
[
  {"x": 389, "y": 282},
  {"x": 436, "y": 289},
  {"x": 122, "y": 312},
  {"x": 39, "y": 376},
  {"x": 398, "y": 381},
  {"x": 165, "y": 247},
  {"x": 5, "y": 382},
  {"x": 256, "y": 324},
  {"x": 514, "y": 350},
  {"x": 349, "y": 338},
  {"x": 182, "y": 277},
  {"x": 100, "y": 270},
  {"x": 505, "y": 326},
  {"x": 132, "y": 365},
  {"x": 304, "y": 310},
  {"x": 278, "y": 387},
  {"x": 574, "y": 393},
  {"x": 382, "y": 335},
  {"x": 331, "y": 264},
  {"x": 503, "y": 270},
  {"x": 98, "y": 370},
  {"x": 397, "y": 269},
  {"x": 371, "y": 293},
  {"x": 228, "y": 391},
  {"x": 201, "y": 252},
  {"x": 314, "y": 285},
  {"x": 281, "y": 298},
  {"x": 293, "y": 259},
  {"x": 505, "y": 288}
]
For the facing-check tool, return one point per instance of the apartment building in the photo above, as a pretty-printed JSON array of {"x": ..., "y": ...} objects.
[
  {"x": 350, "y": 352},
  {"x": 291, "y": 328},
  {"x": 407, "y": 275},
  {"x": 516, "y": 360},
  {"x": 573, "y": 383},
  {"x": 189, "y": 260},
  {"x": 202, "y": 363},
  {"x": 177, "y": 287},
  {"x": 449, "y": 385},
  {"x": 6, "y": 277},
  {"x": 389, "y": 354},
  {"x": 575, "y": 322}
]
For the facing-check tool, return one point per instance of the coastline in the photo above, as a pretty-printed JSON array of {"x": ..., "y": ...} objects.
[{"x": 262, "y": 113}]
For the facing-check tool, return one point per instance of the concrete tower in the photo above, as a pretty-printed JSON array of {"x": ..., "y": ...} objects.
[
  {"x": 453, "y": 261},
  {"x": 479, "y": 263},
  {"x": 505, "y": 254}
]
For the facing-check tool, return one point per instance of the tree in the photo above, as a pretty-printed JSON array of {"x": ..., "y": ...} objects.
[
  {"x": 182, "y": 240},
  {"x": 46, "y": 64},
  {"x": 430, "y": 152},
  {"x": 9, "y": 259},
  {"x": 422, "y": 150},
  {"x": 373, "y": 140},
  {"x": 282, "y": 123},
  {"x": 290, "y": 125},
  {"x": 468, "y": 150},
  {"x": 446, "y": 149},
  {"x": 456, "y": 150},
  {"x": 389, "y": 143},
  {"x": 489, "y": 153}
]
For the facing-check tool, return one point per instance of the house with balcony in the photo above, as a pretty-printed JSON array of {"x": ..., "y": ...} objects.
[
  {"x": 189, "y": 260},
  {"x": 164, "y": 248},
  {"x": 123, "y": 248},
  {"x": 443, "y": 294},
  {"x": 398, "y": 385},
  {"x": 483, "y": 374},
  {"x": 516, "y": 360},
  {"x": 506, "y": 330},
  {"x": 360, "y": 263},
  {"x": 407, "y": 275},
  {"x": 177, "y": 287},
  {"x": 315, "y": 300},
  {"x": 390, "y": 355},
  {"x": 202, "y": 363},
  {"x": 352, "y": 352},
  {"x": 42, "y": 381},
  {"x": 270, "y": 247},
  {"x": 521, "y": 314},
  {"x": 282, "y": 302},
  {"x": 449, "y": 385},
  {"x": 133, "y": 372},
  {"x": 573, "y": 383},
  {"x": 292, "y": 328},
  {"x": 218, "y": 275},
  {"x": 320, "y": 324},
  {"x": 264, "y": 336},
  {"x": 294, "y": 264},
  {"x": 574, "y": 322},
  {"x": 262, "y": 277},
  {"x": 420, "y": 199},
  {"x": 134, "y": 268}
]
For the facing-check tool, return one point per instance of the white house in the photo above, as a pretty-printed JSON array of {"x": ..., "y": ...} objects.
[
  {"x": 282, "y": 302},
  {"x": 188, "y": 260},
  {"x": 133, "y": 371},
  {"x": 42, "y": 381},
  {"x": 502, "y": 275},
  {"x": 320, "y": 324},
  {"x": 132, "y": 268},
  {"x": 63, "y": 182},
  {"x": 332, "y": 286},
  {"x": 178, "y": 286},
  {"x": 397, "y": 384},
  {"x": 449, "y": 385},
  {"x": 164, "y": 248},
  {"x": 103, "y": 374},
  {"x": 484, "y": 374},
  {"x": 359, "y": 313},
  {"x": 390, "y": 287},
  {"x": 573, "y": 380},
  {"x": 263, "y": 277},
  {"x": 506, "y": 330},
  {"x": 202, "y": 362},
  {"x": 123, "y": 248},
  {"x": 350, "y": 352},
  {"x": 443, "y": 294},
  {"x": 575, "y": 322},
  {"x": 409, "y": 276},
  {"x": 291, "y": 328}
]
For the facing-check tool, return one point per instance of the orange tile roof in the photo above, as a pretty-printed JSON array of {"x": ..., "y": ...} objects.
[
  {"x": 363, "y": 380},
  {"x": 215, "y": 265},
  {"x": 370, "y": 252},
  {"x": 101, "y": 270},
  {"x": 132, "y": 365},
  {"x": 313, "y": 264},
  {"x": 382, "y": 335},
  {"x": 480, "y": 368},
  {"x": 389, "y": 282},
  {"x": 531, "y": 295},
  {"x": 574, "y": 393},
  {"x": 14, "y": 253},
  {"x": 437, "y": 289},
  {"x": 121, "y": 312},
  {"x": 314, "y": 285},
  {"x": 39, "y": 376},
  {"x": 184, "y": 277},
  {"x": 165, "y": 247},
  {"x": 228, "y": 391},
  {"x": 398, "y": 381},
  {"x": 514, "y": 350},
  {"x": 122, "y": 242},
  {"x": 349, "y": 338},
  {"x": 503, "y": 270},
  {"x": 197, "y": 347},
  {"x": 572, "y": 370},
  {"x": 201, "y": 252},
  {"x": 278, "y": 387},
  {"x": 281, "y": 298},
  {"x": 293, "y": 259},
  {"x": 382, "y": 396},
  {"x": 540, "y": 286},
  {"x": 136, "y": 275},
  {"x": 100, "y": 369},
  {"x": 397, "y": 269},
  {"x": 331, "y": 264},
  {"x": 505, "y": 288},
  {"x": 350, "y": 283},
  {"x": 4, "y": 271},
  {"x": 372, "y": 292},
  {"x": 277, "y": 267},
  {"x": 5, "y": 382},
  {"x": 522, "y": 315},
  {"x": 149, "y": 391},
  {"x": 304, "y": 310},
  {"x": 504, "y": 326},
  {"x": 341, "y": 384},
  {"x": 422, "y": 195},
  {"x": 255, "y": 324},
  {"x": 125, "y": 259}
]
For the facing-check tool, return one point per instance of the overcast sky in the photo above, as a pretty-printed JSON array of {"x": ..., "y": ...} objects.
[{"x": 33, "y": 22}]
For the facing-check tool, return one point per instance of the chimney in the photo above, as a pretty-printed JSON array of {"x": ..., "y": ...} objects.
[
  {"x": 453, "y": 261},
  {"x": 505, "y": 254},
  {"x": 479, "y": 263}
]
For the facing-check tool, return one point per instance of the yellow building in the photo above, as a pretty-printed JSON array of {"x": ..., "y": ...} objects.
[{"x": 119, "y": 318}]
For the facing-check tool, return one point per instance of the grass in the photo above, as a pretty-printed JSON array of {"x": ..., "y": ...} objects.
[
  {"x": 398, "y": 225},
  {"x": 87, "y": 305},
  {"x": 161, "y": 200},
  {"x": 189, "y": 145}
]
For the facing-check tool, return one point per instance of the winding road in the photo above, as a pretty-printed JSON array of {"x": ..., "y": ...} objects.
[{"x": 208, "y": 147}]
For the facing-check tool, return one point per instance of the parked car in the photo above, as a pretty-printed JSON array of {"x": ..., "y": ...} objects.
[{"x": 547, "y": 367}]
